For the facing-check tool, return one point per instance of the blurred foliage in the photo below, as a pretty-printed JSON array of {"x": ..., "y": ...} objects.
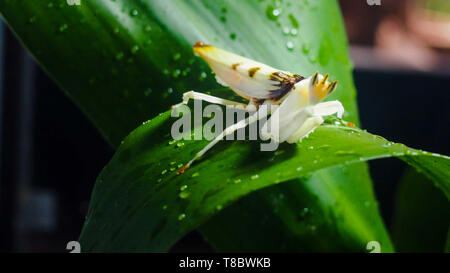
[{"x": 421, "y": 215}]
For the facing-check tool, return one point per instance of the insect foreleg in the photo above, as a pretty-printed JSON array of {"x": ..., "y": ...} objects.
[
  {"x": 229, "y": 130},
  {"x": 212, "y": 99},
  {"x": 328, "y": 108}
]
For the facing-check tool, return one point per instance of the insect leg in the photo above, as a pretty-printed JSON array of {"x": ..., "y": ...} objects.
[
  {"x": 328, "y": 108},
  {"x": 308, "y": 126},
  {"x": 200, "y": 96},
  {"x": 229, "y": 130}
]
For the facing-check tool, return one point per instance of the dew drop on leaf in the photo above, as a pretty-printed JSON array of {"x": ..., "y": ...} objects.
[
  {"x": 344, "y": 153},
  {"x": 134, "y": 49},
  {"x": 176, "y": 56},
  {"x": 290, "y": 45},
  {"x": 272, "y": 13},
  {"x": 180, "y": 144},
  {"x": 294, "y": 21},
  {"x": 184, "y": 194},
  {"x": 63, "y": 27},
  {"x": 176, "y": 73},
  {"x": 134, "y": 12}
]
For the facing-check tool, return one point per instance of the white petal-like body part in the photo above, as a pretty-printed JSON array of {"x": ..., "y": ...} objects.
[
  {"x": 290, "y": 115},
  {"x": 248, "y": 78}
]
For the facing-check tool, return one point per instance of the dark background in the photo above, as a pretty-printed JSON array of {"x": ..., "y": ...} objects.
[{"x": 51, "y": 153}]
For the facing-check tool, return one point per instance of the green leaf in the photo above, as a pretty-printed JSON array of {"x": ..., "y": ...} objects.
[
  {"x": 139, "y": 203},
  {"x": 416, "y": 199},
  {"x": 124, "y": 61}
]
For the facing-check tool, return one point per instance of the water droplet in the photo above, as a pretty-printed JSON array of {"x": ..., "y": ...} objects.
[
  {"x": 286, "y": 31},
  {"x": 164, "y": 207},
  {"x": 203, "y": 75},
  {"x": 176, "y": 73},
  {"x": 236, "y": 181},
  {"x": 172, "y": 142},
  {"x": 134, "y": 49},
  {"x": 176, "y": 56},
  {"x": 290, "y": 45},
  {"x": 294, "y": 21},
  {"x": 134, "y": 12},
  {"x": 195, "y": 174},
  {"x": 387, "y": 145},
  {"x": 255, "y": 176},
  {"x": 180, "y": 144},
  {"x": 63, "y": 28},
  {"x": 186, "y": 71},
  {"x": 304, "y": 212},
  {"x": 164, "y": 172},
  {"x": 181, "y": 217},
  {"x": 219, "y": 207},
  {"x": 170, "y": 91},
  {"x": 294, "y": 32},
  {"x": 184, "y": 194},
  {"x": 325, "y": 146},
  {"x": 272, "y": 13},
  {"x": 344, "y": 153},
  {"x": 306, "y": 48},
  {"x": 299, "y": 168}
]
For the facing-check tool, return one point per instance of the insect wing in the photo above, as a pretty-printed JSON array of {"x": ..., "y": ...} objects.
[{"x": 248, "y": 78}]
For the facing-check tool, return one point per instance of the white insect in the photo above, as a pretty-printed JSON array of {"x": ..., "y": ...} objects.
[{"x": 293, "y": 99}]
